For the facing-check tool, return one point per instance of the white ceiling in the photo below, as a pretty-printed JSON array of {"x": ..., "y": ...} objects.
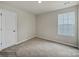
[{"x": 36, "y": 8}]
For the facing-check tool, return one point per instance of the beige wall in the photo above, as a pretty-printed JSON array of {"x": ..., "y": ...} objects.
[
  {"x": 25, "y": 23},
  {"x": 78, "y": 26},
  {"x": 47, "y": 27},
  {"x": 43, "y": 25}
]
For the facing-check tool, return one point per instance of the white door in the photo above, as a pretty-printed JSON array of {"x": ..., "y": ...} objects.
[{"x": 9, "y": 30}]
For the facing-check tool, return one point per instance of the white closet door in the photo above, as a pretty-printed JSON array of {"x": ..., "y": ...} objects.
[
  {"x": 9, "y": 28},
  {"x": 0, "y": 30}
]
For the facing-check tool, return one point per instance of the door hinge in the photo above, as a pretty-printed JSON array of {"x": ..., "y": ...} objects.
[{"x": 1, "y": 14}]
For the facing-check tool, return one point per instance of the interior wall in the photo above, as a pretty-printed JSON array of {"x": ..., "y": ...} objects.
[
  {"x": 47, "y": 27},
  {"x": 25, "y": 23},
  {"x": 78, "y": 26},
  {"x": 43, "y": 25}
]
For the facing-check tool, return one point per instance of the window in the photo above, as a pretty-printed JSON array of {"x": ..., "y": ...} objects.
[{"x": 66, "y": 24}]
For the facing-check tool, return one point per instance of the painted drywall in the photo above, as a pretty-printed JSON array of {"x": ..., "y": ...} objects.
[
  {"x": 78, "y": 25},
  {"x": 47, "y": 27},
  {"x": 25, "y": 23},
  {"x": 43, "y": 25}
]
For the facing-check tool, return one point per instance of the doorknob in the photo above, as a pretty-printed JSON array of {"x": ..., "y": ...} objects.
[{"x": 13, "y": 30}]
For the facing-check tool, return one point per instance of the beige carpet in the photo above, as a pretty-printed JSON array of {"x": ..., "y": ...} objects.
[{"x": 41, "y": 48}]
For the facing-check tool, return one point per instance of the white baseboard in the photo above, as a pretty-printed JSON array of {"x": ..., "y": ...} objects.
[
  {"x": 50, "y": 39},
  {"x": 38, "y": 37},
  {"x": 20, "y": 41},
  {"x": 25, "y": 39}
]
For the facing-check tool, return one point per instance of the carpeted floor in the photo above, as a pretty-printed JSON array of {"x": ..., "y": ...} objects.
[{"x": 40, "y": 48}]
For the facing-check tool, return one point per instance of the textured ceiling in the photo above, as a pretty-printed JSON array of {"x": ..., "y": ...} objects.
[{"x": 37, "y": 8}]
